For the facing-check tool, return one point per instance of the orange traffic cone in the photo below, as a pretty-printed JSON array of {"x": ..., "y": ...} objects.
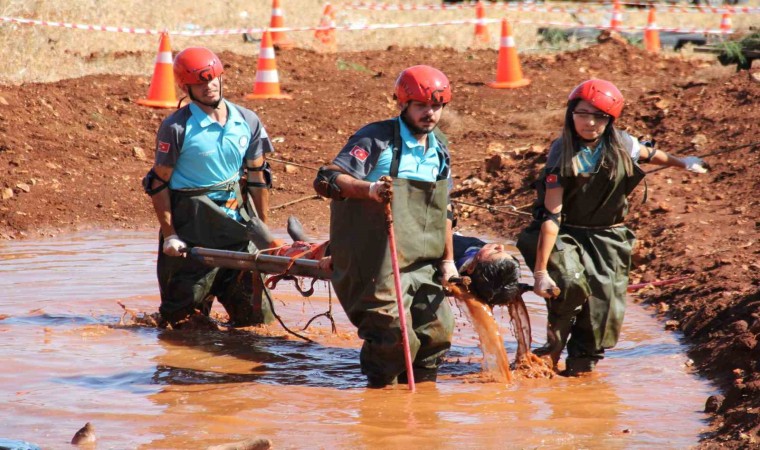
[
  {"x": 481, "y": 31},
  {"x": 617, "y": 17},
  {"x": 267, "y": 84},
  {"x": 652, "y": 34},
  {"x": 508, "y": 71},
  {"x": 326, "y": 38},
  {"x": 280, "y": 40},
  {"x": 161, "y": 93},
  {"x": 725, "y": 23}
]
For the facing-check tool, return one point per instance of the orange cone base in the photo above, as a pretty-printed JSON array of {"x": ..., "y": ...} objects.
[
  {"x": 263, "y": 96},
  {"x": 157, "y": 103},
  {"x": 508, "y": 84}
]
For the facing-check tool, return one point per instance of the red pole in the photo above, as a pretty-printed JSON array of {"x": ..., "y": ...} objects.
[
  {"x": 636, "y": 287},
  {"x": 399, "y": 300}
]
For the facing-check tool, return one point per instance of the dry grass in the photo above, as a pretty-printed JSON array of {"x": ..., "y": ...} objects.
[{"x": 44, "y": 53}]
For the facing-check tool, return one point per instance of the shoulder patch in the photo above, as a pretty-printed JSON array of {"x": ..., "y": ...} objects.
[
  {"x": 163, "y": 147},
  {"x": 359, "y": 153},
  {"x": 551, "y": 178}
]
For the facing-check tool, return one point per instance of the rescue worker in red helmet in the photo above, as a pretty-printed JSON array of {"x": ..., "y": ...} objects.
[
  {"x": 403, "y": 159},
  {"x": 202, "y": 151},
  {"x": 578, "y": 240}
]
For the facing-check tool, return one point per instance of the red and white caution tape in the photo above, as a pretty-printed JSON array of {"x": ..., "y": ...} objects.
[
  {"x": 348, "y": 27},
  {"x": 77, "y": 26},
  {"x": 532, "y": 7}
]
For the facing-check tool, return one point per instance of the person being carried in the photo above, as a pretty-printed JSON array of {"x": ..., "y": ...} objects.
[
  {"x": 577, "y": 240},
  {"x": 202, "y": 151},
  {"x": 494, "y": 272},
  {"x": 402, "y": 161}
]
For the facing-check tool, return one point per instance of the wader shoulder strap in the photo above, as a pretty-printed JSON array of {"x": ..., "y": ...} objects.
[
  {"x": 246, "y": 209},
  {"x": 396, "y": 156}
]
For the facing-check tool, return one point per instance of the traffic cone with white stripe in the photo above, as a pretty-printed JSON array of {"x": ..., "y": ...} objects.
[
  {"x": 279, "y": 38},
  {"x": 481, "y": 31},
  {"x": 616, "y": 21},
  {"x": 326, "y": 37},
  {"x": 508, "y": 71},
  {"x": 267, "y": 84},
  {"x": 161, "y": 93},
  {"x": 725, "y": 23},
  {"x": 652, "y": 34}
]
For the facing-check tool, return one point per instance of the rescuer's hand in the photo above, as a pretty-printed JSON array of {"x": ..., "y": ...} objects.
[
  {"x": 544, "y": 286},
  {"x": 381, "y": 190},
  {"x": 173, "y": 245},
  {"x": 448, "y": 271},
  {"x": 695, "y": 164}
]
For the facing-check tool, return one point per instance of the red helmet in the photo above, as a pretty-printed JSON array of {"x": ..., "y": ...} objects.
[
  {"x": 196, "y": 65},
  {"x": 424, "y": 84},
  {"x": 601, "y": 94}
]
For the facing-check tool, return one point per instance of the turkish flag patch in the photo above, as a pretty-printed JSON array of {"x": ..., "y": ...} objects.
[
  {"x": 163, "y": 147},
  {"x": 359, "y": 153},
  {"x": 551, "y": 178}
]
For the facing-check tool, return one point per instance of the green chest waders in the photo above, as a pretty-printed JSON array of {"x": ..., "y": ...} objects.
[
  {"x": 590, "y": 264},
  {"x": 187, "y": 284},
  {"x": 363, "y": 276}
]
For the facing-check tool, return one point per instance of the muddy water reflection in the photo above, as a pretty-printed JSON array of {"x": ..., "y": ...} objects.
[{"x": 66, "y": 363}]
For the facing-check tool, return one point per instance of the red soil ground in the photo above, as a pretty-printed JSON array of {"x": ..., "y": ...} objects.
[{"x": 72, "y": 154}]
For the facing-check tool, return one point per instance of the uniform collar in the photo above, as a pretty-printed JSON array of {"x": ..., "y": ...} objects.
[
  {"x": 204, "y": 120},
  {"x": 410, "y": 141},
  {"x": 592, "y": 151}
]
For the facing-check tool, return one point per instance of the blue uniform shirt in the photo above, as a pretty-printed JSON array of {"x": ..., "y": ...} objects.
[
  {"x": 586, "y": 160},
  {"x": 416, "y": 163},
  {"x": 212, "y": 153},
  {"x": 367, "y": 155},
  {"x": 204, "y": 153}
]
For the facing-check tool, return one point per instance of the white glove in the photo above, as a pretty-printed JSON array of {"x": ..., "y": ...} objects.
[
  {"x": 448, "y": 271},
  {"x": 381, "y": 189},
  {"x": 374, "y": 193},
  {"x": 173, "y": 245},
  {"x": 694, "y": 164},
  {"x": 543, "y": 285}
]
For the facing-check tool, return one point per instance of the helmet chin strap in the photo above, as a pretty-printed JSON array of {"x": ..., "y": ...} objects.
[{"x": 214, "y": 105}]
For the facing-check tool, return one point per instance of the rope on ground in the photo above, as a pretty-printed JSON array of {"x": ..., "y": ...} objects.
[
  {"x": 511, "y": 210},
  {"x": 281, "y": 161},
  {"x": 293, "y": 202}
]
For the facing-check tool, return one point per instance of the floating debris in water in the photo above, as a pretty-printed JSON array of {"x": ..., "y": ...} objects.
[
  {"x": 85, "y": 435},
  {"x": 248, "y": 444}
]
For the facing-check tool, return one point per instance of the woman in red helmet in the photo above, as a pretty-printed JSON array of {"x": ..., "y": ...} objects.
[
  {"x": 578, "y": 241},
  {"x": 202, "y": 149},
  {"x": 400, "y": 158}
]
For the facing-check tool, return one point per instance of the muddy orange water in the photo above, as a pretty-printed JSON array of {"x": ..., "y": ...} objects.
[{"x": 65, "y": 362}]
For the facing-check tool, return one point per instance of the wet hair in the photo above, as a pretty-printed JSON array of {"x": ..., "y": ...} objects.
[
  {"x": 613, "y": 149},
  {"x": 496, "y": 282}
]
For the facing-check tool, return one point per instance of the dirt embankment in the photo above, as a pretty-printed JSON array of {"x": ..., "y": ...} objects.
[{"x": 72, "y": 155}]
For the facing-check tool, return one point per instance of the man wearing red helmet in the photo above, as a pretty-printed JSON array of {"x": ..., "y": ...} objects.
[
  {"x": 401, "y": 159},
  {"x": 202, "y": 151},
  {"x": 578, "y": 241}
]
